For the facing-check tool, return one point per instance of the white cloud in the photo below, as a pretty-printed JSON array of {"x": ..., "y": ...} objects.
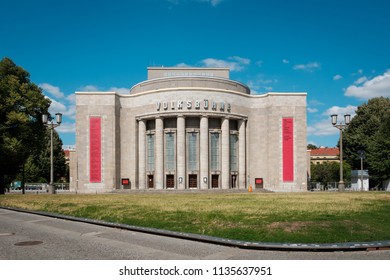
[
  {"x": 120, "y": 90},
  {"x": 361, "y": 80},
  {"x": 68, "y": 110},
  {"x": 235, "y": 63},
  {"x": 92, "y": 88},
  {"x": 365, "y": 89},
  {"x": 241, "y": 60},
  {"x": 52, "y": 90},
  {"x": 312, "y": 110},
  {"x": 89, "y": 88},
  {"x": 261, "y": 85},
  {"x": 285, "y": 61},
  {"x": 337, "y": 77},
  {"x": 212, "y": 62},
  {"x": 66, "y": 105},
  {"x": 56, "y": 107},
  {"x": 310, "y": 67},
  {"x": 183, "y": 65},
  {"x": 324, "y": 127},
  {"x": 253, "y": 87},
  {"x": 321, "y": 128},
  {"x": 315, "y": 102},
  {"x": 341, "y": 111},
  {"x": 71, "y": 98},
  {"x": 66, "y": 128}
]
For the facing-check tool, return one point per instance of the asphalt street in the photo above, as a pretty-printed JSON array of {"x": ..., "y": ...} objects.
[{"x": 33, "y": 237}]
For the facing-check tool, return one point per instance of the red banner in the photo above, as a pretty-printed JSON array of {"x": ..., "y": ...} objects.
[
  {"x": 95, "y": 150},
  {"x": 288, "y": 149}
]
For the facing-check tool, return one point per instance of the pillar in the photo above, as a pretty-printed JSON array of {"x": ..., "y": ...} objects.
[
  {"x": 181, "y": 153},
  {"x": 225, "y": 170},
  {"x": 159, "y": 154},
  {"x": 141, "y": 154},
  {"x": 241, "y": 154},
  {"x": 204, "y": 152}
]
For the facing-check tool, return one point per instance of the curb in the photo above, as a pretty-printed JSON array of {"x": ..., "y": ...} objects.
[{"x": 318, "y": 247}]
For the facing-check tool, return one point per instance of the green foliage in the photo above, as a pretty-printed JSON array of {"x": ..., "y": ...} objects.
[
  {"x": 378, "y": 154},
  {"x": 43, "y": 158},
  {"x": 330, "y": 172},
  {"x": 311, "y": 147},
  {"x": 23, "y": 137},
  {"x": 369, "y": 131}
]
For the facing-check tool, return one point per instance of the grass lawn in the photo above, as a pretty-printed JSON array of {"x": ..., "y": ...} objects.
[{"x": 263, "y": 217}]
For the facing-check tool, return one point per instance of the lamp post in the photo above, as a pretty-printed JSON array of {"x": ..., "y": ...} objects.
[
  {"x": 362, "y": 156},
  {"x": 341, "y": 127},
  {"x": 48, "y": 121}
]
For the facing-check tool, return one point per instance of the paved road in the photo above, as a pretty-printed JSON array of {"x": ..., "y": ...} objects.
[{"x": 33, "y": 237}]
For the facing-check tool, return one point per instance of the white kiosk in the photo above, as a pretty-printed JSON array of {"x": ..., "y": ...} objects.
[{"x": 356, "y": 180}]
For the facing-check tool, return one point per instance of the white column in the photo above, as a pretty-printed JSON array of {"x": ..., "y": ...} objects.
[
  {"x": 159, "y": 154},
  {"x": 241, "y": 154},
  {"x": 204, "y": 152},
  {"x": 225, "y": 171},
  {"x": 181, "y": 153},
  {"x": 141, "y": 154}
]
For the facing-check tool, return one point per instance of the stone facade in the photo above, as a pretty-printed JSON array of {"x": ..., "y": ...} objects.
[{"x": 190, "y": 128}]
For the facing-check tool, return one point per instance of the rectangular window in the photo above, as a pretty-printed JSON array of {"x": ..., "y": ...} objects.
[
  {"x": 192, "y": 151},
  {"x": 150, "y": 156},
  {"x": 214, "y": 151},
  {"x": 233, "y": 152},
  {"x": 170, "y": 152}
]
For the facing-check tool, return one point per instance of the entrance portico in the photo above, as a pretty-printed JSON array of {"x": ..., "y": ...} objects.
[{"x": 188, "y": 151}]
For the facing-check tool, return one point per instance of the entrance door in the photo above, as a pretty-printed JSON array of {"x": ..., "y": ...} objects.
[
  {"x": 192, "y": 181},
  {"x": 170, "y": 181},
  {"x": 150, "y": 182},
  {"x": 214, "y": 181},
  {"x": 234, "y": 181}
]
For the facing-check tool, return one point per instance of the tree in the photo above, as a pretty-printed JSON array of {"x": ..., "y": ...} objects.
[
  {"x": 37, "y": 166},
  {"x": 59, "y": 165},
  {"x": 21, "y": 130},
  {"x": 369, "y": 131},
  {"x": 378, "y": 154},
  {"x": 329, "y": 172},
  {"x": 311, "y": 147}
]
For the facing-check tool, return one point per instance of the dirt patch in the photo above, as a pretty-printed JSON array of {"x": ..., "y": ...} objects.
[{"x": 296, "y": 226}]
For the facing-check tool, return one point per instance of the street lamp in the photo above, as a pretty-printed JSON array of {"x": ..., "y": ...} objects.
[
  {"x": 48, "y": 121},
  {"x": 341, "y": 127},
  {"x": 362, "y": 156}
]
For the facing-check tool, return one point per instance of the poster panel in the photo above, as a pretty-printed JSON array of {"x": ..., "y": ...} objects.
[
  {"x": 95, "y": 150},
  {"x": 288, "y": 149}
]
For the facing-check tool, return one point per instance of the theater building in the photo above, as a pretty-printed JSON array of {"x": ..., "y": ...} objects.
[{"x": 186, "y": 129}]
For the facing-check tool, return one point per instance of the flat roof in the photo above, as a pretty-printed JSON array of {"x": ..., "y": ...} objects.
[{"x": 165, "y": 72}]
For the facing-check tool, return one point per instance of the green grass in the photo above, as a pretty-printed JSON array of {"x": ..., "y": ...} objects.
[{"x": 302, "y": 217}]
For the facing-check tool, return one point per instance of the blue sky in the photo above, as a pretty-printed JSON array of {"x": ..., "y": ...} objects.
[{"x": 335, "y": 50}]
